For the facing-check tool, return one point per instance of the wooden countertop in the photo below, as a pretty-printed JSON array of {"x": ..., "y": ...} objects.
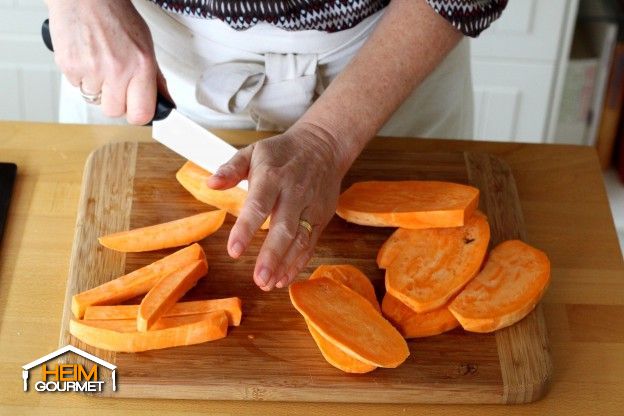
[{"x": 566, "y": 212}]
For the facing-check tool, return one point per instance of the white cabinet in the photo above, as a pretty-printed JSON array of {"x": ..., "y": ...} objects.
[
  {"x": 29, "y": 80},
  {"x": 518, "y": 66}
]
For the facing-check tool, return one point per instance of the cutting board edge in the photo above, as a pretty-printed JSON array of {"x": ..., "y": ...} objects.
[{"x": 525, "y": 386}]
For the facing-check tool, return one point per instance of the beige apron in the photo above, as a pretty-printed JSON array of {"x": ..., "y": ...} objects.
[{"x": 265, "y": 78}]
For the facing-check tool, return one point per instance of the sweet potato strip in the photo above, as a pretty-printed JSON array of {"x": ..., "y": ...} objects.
[
  {"x": 209, "y": 329},
  {"x": 408, "y": 204},
  {"x": 167, "y": 292},
  {"x": 425, "y": 268},
  {"x": 169, "y": 234},
  {"x": 351, "y": 277},
  {"x": 416, "y": 325},
  {"x": 129, "y": 325},
  {"x": 135, "y": 283},
  {"x": 349, "y": 322},
  {"x": 194, "y": 179},
  {"x": 231, "y": 306},
  {"x": 512, "y": 282}
]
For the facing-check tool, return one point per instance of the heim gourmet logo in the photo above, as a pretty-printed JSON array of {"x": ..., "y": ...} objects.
[{"x": 69, "y": 377}]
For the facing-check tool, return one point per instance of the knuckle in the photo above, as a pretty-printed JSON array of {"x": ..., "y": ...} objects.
[
  {"x": 284, "y": 232},
  {"x": 302, "y": 242},
  {"x": 257, "y": 208}
]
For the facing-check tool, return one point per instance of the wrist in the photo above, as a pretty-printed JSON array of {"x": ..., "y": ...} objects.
[{"x": 340, "y": 149}]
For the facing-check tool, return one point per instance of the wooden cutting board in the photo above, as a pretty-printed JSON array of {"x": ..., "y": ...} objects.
[{"x": 271, "y": 356}]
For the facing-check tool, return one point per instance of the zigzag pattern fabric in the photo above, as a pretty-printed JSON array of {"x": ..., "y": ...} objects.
[{"x": 469, "y": 16}]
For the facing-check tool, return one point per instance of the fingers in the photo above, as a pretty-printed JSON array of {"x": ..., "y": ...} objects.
[
  {"x": 234, "y": 171},
  {"x": 141, "y": 96},
  {"x": 114, "y": 98},
  {"x": 299, "y": 252},
  {"x": 258, "y": 206},
  {"x": 282, "y": 233}
]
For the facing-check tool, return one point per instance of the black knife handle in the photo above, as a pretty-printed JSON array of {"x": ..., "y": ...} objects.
[{"x": 164, "y": 105}]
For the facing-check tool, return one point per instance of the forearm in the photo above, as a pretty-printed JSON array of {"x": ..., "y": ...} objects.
[{"x": 407, "y": 45}]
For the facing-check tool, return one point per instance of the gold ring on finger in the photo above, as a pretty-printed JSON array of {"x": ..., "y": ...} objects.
[{"x": 305, "y": 224}]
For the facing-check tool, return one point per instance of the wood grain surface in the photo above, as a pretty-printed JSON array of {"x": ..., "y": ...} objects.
[
  {"x": 566, "y": 214},
  {"x": 271, "y": 356}
]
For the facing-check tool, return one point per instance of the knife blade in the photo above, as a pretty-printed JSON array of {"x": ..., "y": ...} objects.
[
  {"x": 179, "y": 133},
  {"x": 190, "y": 140}
]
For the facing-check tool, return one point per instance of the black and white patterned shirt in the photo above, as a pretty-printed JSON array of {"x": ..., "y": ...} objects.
[{"x": 469, "y": 16}]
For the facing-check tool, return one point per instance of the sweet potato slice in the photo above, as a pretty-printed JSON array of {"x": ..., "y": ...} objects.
[
  {"x": 425, "y": 268},
  {"x": 135, "y": 283},
  {"x": 194, "y": 179},
  {"x": 351, "y": 277},
  {"x": 167, "y": 292},
  {"x": 231, "y": 306},
  {"x": 336, "y": 357},
  {"x": 209, "y": 329},
  {"x": 129, "y": 325},
  {"x": 357, "y": 281},
  {"x": 169, "y": 234},
  {"x": 349, "y": 322},
  {"x": 408, "y": 204},
  {"x": 512, "y": 282},
  {"x": 416, "y": 325}
]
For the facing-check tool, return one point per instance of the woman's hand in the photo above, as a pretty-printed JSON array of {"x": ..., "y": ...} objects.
[
  {"x": 105, "y": 46},
  {"x": 292, "y": 176}
]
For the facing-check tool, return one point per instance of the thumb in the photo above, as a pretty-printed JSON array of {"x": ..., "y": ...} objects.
[{"x": 233, "y": 171}]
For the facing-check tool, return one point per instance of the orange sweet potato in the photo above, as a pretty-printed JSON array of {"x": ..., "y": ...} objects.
[
  {"x": 336, "y": 357},
  {"x": 135, "y": 283},
  {"x": 129, "y": 325},
  {"x": 231, "y": 306},
  {"x": 213, "y": 327},
  {"x": 351, "y": 277},
  {"x": 408, "y": 204},
  {"x": 194, "y": 179},
  {"x": 425, "y": 268},
  {"x": 349, "y": 322},
  {"x": 416, "y": 325},
  {"x": 167, "y": 292},
  {"x": 357, "y": 281},
  {"x": 170, "y": 234},
  {"x": 512, "y": 282}
]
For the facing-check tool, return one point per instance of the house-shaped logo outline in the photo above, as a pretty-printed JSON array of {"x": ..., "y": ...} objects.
[{"x": 26, "y": 368}]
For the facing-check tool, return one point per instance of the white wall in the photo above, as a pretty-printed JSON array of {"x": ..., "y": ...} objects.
[{"x": 29, "y": 80}]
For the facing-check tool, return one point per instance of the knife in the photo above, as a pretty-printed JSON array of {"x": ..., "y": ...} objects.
[{"x": 179, "y": 133}]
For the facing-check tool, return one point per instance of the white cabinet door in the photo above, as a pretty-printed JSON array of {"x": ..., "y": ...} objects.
[
  {"x": 29, "y": 80},
  {"x": 511, "y": 100},
  {"x": 528, "y": 29}
]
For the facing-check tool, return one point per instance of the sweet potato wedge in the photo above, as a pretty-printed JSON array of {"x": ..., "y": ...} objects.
[
  {"x": 425, "y": 268},
  {"x": 231, "y": 306},
  {"x": 408, "y": 204},
  {"x": 351, "y": 277},
  {"x": 135, "y": 283},
  {"x": 416, "y": 325},
  {"x": 167, "y": 292},
  {"x": 209, "y": 329},
  {"x": 169, "y": 234},
  {"x": 129, "y": 325},
  {"x": 194, "y": 179},
  {"x": 349, "y": 322},
  {"x": 512, "y": 282}
]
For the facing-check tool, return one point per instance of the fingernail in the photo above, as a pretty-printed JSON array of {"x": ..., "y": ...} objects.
[
  {"x": 237, "y": 249},
  {"x": 279, "y": 284},
  {"x": 264, "y": 276}
]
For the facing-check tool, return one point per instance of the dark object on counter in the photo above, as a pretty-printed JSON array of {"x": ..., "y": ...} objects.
[{"x": 7, "y": 178}]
